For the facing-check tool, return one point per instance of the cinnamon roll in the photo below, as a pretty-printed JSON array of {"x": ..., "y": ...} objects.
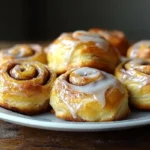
[
  {"x": 135, "y": 75},
  {"x": 115, "y": 37},
  {"x": 140, "y": 50},
  {"x": 25, "y": 86},
  {"x": 88, "y": 94},
  {"x": 81, "y": 49},
  {"x": 33, "y": 52}
]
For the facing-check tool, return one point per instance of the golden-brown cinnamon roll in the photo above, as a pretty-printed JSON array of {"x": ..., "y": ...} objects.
[
  {"x": 81, "y": 49},
  {"x": 115, "y": 37},
  {"x": 25, "y": 86},
  {"x": 135, "y": 75},
  {"x": 139, "y": 49},
  {"x": 88, "y": 94},
  {"x": 33, "y": 52}
]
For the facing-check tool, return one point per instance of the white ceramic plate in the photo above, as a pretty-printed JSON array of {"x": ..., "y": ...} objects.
[{"x": 50, "y": 122}]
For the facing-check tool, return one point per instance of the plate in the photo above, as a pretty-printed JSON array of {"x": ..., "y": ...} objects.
[{"x": 49, "y": 122}]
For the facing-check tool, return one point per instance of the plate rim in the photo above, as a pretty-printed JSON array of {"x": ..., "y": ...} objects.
[{"x": 30, "y": 121}]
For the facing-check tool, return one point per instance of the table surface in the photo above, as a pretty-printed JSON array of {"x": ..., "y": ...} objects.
[
  {"x": 23, "y": 138},
  {"x": 15, "y": 137}
]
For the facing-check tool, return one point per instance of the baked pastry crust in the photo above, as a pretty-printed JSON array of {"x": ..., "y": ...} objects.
[
  {"x": 81, "y": 49},
  {"x": 32, "y": 52},
  {"x": 88, "y": 94},
  {"x": 25, "y": 86},
  {"x": 116, "y": 37},
  {"x": 135, "y": 75},
  {"x": 140, "y": 50}
]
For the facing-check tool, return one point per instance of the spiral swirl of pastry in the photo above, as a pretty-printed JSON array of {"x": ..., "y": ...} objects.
[
  {"x": 115, "y": 37},
  {"x": 140, "y": 50},
  {"x": 135, "y": 75},
  {"x": 88, "y": 94},
  {"x": 33, "y": 52},
  {"x": 81, "y": 49},
  {"x": 25, "y": 86}
]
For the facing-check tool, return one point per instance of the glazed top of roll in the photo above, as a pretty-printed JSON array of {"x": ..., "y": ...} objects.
[
  {"x": 81, "y": 49},
  {"x": 76, "y": 38},
  {"x": 87, "y": 82},
  {"x": 116, "y": 37},
  {"x": 33, "y": 52},
  {"x": 25, "y": 77},
  {"x": 140, "y": 49},
  {"x": 136, "y": 71},
  {"x": 108, "y": 34}
]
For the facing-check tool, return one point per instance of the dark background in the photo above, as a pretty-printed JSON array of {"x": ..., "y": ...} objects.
[{"x": 31, "y": 20}]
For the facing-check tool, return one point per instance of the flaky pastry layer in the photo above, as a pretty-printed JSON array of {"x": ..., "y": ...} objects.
[{"x": 135, "y": 75}]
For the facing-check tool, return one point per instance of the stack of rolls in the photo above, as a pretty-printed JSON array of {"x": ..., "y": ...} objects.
[
  {"x": 79, "y": 76},
  {"x": 25, "y": 79},
  {"x": 86, "y": 89}
]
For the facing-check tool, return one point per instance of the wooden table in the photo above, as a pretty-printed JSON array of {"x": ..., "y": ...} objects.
[{"x": 15, "y": 137}]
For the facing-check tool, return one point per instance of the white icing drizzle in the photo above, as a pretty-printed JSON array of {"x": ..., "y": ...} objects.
[
  {"x": 97, "y": 88},
  {"x": 73, "y": 107},
  {"x": 91, "y": 37},
  {"x": 131, "y": 73},
  {"x": 136, "y": 46},
  {"x": 66, "y": 44},
  {"x": 123, "y": 59},
  {"x": 105, "y": 34},
  {"x": 69, "y": 43},
  {"x": 36, "y": 47},
  {"x": 85, "y": 73}
]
